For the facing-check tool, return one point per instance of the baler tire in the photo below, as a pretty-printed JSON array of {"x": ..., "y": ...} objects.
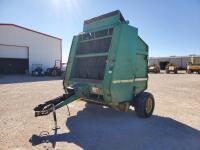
[{"x": 141, "y": 102}]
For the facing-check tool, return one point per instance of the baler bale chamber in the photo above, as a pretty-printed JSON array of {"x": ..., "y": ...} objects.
[{"x": 107, "y": 65}]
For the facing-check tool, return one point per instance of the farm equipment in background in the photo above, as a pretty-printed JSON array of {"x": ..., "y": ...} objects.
[
  {"x": 153, "y": 68},
  {"x": 55, "y": 71},
  {"x": 192, "y": 66},
  {"x": 37, "y": 70},
  {"x": 63, "y": 69},
  {"x": 171, "y": 67},
  {"x": 107, "y": 65}
]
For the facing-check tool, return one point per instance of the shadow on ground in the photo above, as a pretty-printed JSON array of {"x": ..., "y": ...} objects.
[
  {"x": 9, "y": 79},
  {"x": 106, "y": 129}
]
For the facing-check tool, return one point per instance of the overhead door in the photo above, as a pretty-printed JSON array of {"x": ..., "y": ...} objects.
[{"x": 13, "y": 59}]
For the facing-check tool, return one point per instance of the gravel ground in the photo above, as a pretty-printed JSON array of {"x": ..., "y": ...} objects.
[{"x": 174, "y": 125}]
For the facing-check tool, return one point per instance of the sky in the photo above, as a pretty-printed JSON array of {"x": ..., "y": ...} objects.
[{"x": 170, "y": 27}]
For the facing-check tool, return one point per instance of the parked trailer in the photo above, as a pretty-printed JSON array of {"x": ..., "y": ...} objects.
[{"x": 107, "y": 65}]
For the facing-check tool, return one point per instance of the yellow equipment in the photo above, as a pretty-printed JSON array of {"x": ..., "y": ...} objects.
[
  {"x": 193, "y": 66},
  {"x": 171, "y": 67}
]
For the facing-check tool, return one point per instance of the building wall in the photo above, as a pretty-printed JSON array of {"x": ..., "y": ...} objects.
[
  {"x": 181, "y": 62},
  {"x": 42, "y": 49}
]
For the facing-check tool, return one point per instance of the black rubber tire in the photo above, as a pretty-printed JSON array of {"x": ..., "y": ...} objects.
[
  {"x": 189, "y": 71},
  {"x": 140, "y": 103}
]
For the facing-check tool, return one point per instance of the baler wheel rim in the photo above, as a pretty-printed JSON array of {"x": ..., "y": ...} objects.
[{"x": 149, "y": 105}]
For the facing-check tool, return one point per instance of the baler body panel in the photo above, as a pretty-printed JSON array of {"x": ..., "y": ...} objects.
[
  {"x": 124, "y": 68},
  {"x": 109, "y": 60}
]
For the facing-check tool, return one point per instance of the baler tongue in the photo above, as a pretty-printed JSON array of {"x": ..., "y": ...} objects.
[{"x": 58, "y": 102}]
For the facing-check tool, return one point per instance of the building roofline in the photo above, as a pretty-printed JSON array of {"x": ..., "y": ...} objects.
[
  {"x": 188, "y": 56},
  {"x": 10, "y": 24}
]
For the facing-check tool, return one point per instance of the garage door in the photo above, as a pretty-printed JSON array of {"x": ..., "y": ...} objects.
[{"x": 13, "y": 59}]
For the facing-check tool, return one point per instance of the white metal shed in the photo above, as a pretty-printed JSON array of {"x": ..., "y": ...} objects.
[{"x": 20, "y": 48}]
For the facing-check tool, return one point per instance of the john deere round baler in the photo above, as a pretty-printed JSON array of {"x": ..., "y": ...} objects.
[{"x": 107, "y": 65}]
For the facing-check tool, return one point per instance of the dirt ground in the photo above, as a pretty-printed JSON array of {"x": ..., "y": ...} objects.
[{"x": 175, "y": 123}]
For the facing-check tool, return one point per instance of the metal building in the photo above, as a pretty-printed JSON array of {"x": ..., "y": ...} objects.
[
  {"x": 180, "y": 61},
  {"x": 22, "y": 48}
]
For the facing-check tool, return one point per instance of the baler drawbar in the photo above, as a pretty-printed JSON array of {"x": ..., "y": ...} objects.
[{"x": 58, "y": 102}]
